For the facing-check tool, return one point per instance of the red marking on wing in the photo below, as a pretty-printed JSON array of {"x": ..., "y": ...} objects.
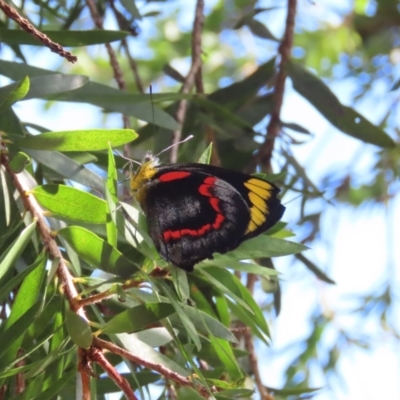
[
  {"x": 204, "y": 190},
  {"x": 173, "y": 176},
  {"x": 214, "y": 201}
]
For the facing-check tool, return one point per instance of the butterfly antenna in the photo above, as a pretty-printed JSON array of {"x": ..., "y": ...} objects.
[
  {"x": 152, "y": 106},
  {"x": 175, "y": 144},
  {"x": 129, "y": 160}
]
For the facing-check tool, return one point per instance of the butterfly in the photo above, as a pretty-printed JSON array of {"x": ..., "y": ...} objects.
[{"x": 194, "y": 210}]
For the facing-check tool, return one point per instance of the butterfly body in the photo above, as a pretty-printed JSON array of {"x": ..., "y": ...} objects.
[{"x": 195, "y": 210}]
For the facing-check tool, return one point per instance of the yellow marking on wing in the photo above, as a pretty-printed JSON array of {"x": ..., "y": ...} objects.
[
  {"x": 259, "y": 193},
  {"x": 252, "y": 227},
  {"x": 262, "y": 188},
  {"x": 258, "y": 202},
  {"x": 257, "y": 216}
]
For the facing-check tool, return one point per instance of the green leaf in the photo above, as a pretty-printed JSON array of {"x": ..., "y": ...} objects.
[
  {"x": 139, "y": 106},
  {"x": 10, "y": 285},
  {"x": 296, "y": 391},
  {"x": 206, "y": 324},
  {"x": 187, "y": 393},
  {"x": 139, "y": 317},
  {"x": 154, "y": 337},
  {"x": 266, "y": 246},
  {"x": 37, "y": 368},
  {"x": 233, "y": 393},
  {"x": 313, "y": 268},
  {"x": 186, "y": 322},
  {"x": 7, "y": 200},
  {"x": 226, "y": 356},
  {"x": 19, "y": 162},
  {"x": 225, "y": 287},
  {"x": 79, "y": 330},
  {"x": 232, "y": 286},
  {"x": 52, "y": 391},
  {"x": 260, "y": 30},
  {"x": 97, "y": 252},
  {"x": 54, "y": 84},
  {"x": 112, "y": 199},
  {"x": 16, "y": 248},
  {"x": 27, "y": 297},
  {"x": 68, "y": 168},
  {"x": 145, "y": 352},
  {"x": 68, "y": 202},
  {"x": 181, "y": 284},
  {"x": 10, "y": 94},
  {"x": 86, "y": 140},
  {"x": 13, "y": 333},
  {"x": 68, "y": 38},
  {"x": 131, "y": 8},
  {"x": 106, "y": 385},
  {"x": 227, "y": 261},
  {"x": 205, "y": 158},
  {"x": 344, "y": 118}
]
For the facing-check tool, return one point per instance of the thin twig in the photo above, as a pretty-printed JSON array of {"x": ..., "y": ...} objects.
[
  {"x": 190, "y": 78},
  {"x": 98, "y": 21},
  {"x": 265, "y": 153},
  {"x": 251, "y": 281},
  {"x": 28, "y": 27},
  {"x": 118, "y": 75},
  {"x": 33, "y": 207},
  {"x": 84, "y": 373},
  {"x": 167, "y": 373},
  {"x": 249, "y": 344},
  {"x": 133, "y": 65},
  {"x": 97, "y": 356}
]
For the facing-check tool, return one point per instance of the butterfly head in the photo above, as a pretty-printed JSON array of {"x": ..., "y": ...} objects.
[{"x": 143, "y": 175}]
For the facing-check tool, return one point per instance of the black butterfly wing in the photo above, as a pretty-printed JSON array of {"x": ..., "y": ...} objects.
[
  {"x": 192, "y": 214},
  {"x": 259, "y": 195}
]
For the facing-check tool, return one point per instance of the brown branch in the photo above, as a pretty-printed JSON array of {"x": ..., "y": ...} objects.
[
  {"x": 249, "y": 344},
  {"x": 85, "y": 374},
  {"x": 33, "y": 207},
  {"x": 190, "y": 78},
  {"x": 98, "y": 21},
  {"x": 265, "y": 153},
  {"x": 98, "y": 297},
  {"x": 167, "y": 373},
  {"x": 118, "y": 75},
  {"x": 251, "y": 281},
  {"x": 133, "y": 65},
  {"x": 28, "y": 27},
  {"x": 122, "y": 22},
  {"x": 96, "y": 355}
]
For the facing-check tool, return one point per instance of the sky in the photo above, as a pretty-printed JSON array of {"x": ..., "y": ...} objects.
[{"x": 358, "y": 243}]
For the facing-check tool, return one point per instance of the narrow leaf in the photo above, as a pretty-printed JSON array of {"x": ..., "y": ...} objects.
[
  {"x": 313, "y": 268},
  {"x": 344, "y": 118},
  {"x": 19, "y": 162},
  {"x": 16, "y": 249},
  {"x": 144, "y": 351},
  {"x": 68, "y": 38},
  {"x": 97, "y": 252},
  {"x": 78, "y": 329},
  {"x": 10, "y": 94},
  {"x": 68, "y": 202},
  {"x": 86, "y": 140},
  {"x": 68, "y": 168},
  {"x": 139, "y": 317}
]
